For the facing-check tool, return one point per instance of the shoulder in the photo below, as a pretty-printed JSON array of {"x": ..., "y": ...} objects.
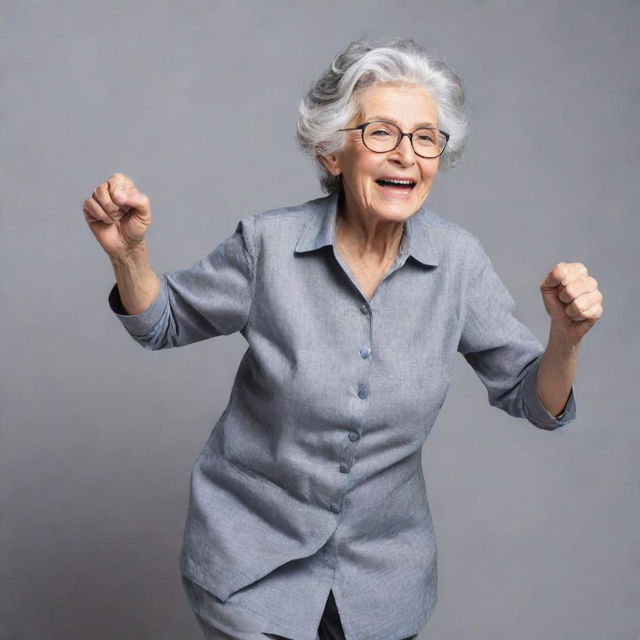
[
  {"x": 452, "y": 241},
  {"x": 279, "y": 230},
  {"x": 292, "y": 215}
]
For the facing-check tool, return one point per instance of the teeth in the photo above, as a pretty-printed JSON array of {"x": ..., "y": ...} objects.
[{"x": 407, "y": 182}]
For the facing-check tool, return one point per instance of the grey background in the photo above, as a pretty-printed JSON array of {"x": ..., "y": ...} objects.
[{"x": 537, "y": 531}]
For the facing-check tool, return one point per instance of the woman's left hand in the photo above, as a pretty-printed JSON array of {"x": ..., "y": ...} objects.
[{"x": 572, "y": 299}]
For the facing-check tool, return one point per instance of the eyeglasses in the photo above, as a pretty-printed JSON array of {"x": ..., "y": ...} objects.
[{"x": 381, "y": 136}]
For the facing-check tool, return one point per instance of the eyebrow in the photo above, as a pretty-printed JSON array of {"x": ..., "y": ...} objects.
[{"x": 388, "y": 119}]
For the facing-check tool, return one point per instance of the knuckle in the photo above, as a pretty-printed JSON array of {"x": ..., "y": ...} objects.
[{"x": 119, "y": 180}]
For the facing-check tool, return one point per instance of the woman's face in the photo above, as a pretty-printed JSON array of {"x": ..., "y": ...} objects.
[{"x": 409, "y": 106}]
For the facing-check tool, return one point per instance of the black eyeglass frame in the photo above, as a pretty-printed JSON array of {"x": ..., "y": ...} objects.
[{"x": 364, "y": 125}]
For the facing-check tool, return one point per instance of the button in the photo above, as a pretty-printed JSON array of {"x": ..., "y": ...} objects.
[
  {"x": 334, "y": 507},
  {"x": 363, "y": 393},
  {"x": 365, "y": 352},
  {"x": 353, "y": 436},
  {"x": 344, "y": 468},
  {"x": 364, "y": 308}
]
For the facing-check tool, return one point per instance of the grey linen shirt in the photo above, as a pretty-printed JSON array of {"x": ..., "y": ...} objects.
[{"x": 311, "y": 478}]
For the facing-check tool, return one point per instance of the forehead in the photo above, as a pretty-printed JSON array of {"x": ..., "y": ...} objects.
[{"x": 407, "y": 104}]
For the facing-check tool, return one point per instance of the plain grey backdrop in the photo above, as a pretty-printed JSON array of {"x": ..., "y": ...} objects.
[{"x": 538, "y": 531}]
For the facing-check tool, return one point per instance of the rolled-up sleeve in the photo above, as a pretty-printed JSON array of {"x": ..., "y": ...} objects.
[
  {"x": 502, "y": 350},
  {"x": 210, "y": 298}
]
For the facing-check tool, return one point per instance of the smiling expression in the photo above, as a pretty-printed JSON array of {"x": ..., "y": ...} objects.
[{"x": 409, "y": 106}]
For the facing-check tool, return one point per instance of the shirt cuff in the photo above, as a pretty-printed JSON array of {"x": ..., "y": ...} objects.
[
  {"x": 142, "y": 324},
  {"x": 536, "y": 412}
]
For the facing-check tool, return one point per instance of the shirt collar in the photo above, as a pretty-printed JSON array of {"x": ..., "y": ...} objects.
[{"x": 320, "y": 230}]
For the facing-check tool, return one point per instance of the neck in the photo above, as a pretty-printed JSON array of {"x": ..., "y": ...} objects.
[{"x": 364, "y": 236}]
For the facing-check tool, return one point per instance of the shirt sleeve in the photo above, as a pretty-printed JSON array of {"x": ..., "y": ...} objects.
[
  {"x": 210, "y": 298},
  {"x": 503, "y": 352}
]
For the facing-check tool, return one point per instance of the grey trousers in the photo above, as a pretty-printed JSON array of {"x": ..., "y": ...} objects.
[{"x": 201, "y": 602}]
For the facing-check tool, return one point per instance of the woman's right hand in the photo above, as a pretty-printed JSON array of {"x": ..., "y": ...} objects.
[{"x": 118, "y": 215}]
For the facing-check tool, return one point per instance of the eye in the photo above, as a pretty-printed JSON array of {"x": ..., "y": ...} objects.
[
  {"x": 380, "y": 130},
  {"x": 426, "y": 136}
]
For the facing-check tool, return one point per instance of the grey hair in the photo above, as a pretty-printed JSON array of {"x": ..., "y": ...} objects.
[{"x": 332, "y": 101}]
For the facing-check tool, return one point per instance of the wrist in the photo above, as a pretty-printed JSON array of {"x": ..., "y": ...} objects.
[
  {"x": 562, "y": 344},
  {"x": 133, "y": 256}
]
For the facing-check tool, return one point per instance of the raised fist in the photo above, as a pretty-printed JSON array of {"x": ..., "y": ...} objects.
[{"x": 118, "y": 215}]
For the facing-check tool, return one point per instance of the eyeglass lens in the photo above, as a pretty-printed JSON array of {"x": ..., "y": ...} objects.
[{"x": 385, "y": 136}]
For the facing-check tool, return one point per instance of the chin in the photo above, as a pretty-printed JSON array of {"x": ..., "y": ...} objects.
[
  {"x": 400, "y": 210},
  {"x": 395, "y": 214}
]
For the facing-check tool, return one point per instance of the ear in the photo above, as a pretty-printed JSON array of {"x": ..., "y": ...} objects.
[{"x": 331, "y": 163}]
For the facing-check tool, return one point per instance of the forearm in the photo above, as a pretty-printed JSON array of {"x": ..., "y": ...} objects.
[
  {"x": 556, "y": 371},
  {"x": 138, "y": 284}
]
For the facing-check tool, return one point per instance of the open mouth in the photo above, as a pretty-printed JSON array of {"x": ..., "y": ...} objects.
[{"x": 396, "y": 184}]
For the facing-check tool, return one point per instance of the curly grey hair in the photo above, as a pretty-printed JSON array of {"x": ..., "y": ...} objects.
[{"x": 332, "y": 101}]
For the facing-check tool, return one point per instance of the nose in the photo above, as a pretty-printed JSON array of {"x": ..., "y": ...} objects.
[{"x": 404, "y": 152}]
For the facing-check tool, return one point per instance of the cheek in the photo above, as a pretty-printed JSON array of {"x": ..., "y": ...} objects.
[
  {"x": 365, "y": 175},
  {"x": 429, "y": 174}
]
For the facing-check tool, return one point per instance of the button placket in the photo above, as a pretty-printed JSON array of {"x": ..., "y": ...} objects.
[
  {"x": 362, "y": 391},
  {"x": 365, "y": 352}
]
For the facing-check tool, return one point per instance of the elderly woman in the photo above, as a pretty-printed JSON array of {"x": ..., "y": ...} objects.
[{"x": 308, "y": 515}]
